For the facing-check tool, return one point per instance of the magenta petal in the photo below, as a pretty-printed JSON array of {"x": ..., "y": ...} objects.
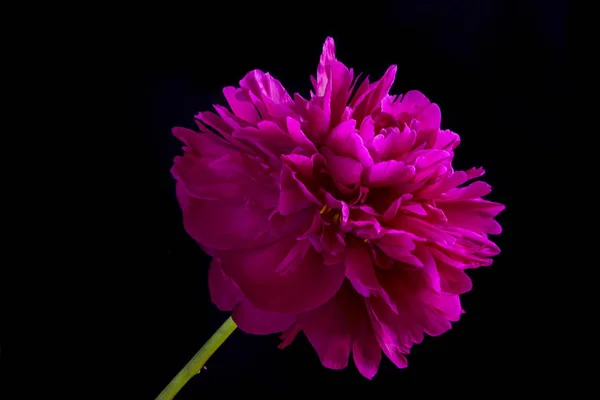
[
  {"x": 377, "y": 92},
  {"x": 359, "y": 270},
  {"x": 327, "y": 57},
  {"x": 298, "y": 136},
  {"x": 398, "y": 245},
  {"x": 237, "y": 224},
  {"x": 430, "y": 117},
  {"x": 385, "y": 333},
  {"x": 431, "y": 314},
  {"x": 446, "y": 140},
  {"x": 203, "y": 144},
  {"x": 444, "y": 184},
  {"x": 413, "y": 101},
  {"x": 328, "y": 53},
  {"x": 367, "y": 129},
  {"x": 241, "y": 104},
  {"x": 265, "y": 87},
  {"x": 182, "y": 195},
  {"x": 329, "y": 330},
  {"x": 307, "y": 285},
  {"x": 268, "y": 138},
  {"x": 453, "y": 280},
  {"x": 341, "y": 79},
  {"x": 472, "y": 191},
  {"x": 257, "y": 322},
  {"x": 403, "y": 201},
  {"x": 476, "y": 215},
  {"x": 365, "y": 349},
  {"x": 226, "y": 224},
  {"x": 344, "y": 141},
  {"x": 389, "y": 173},
  {"x": 208, "y": 181},
  {"x": 397, "y": 144},
  {"x": 223, "y": 291},
  {"x": 339, "y": 326},
  {"x": 364, "y": 224},
  {"x": 415, "y": 208},
  {"x": 292, "y": 197},
  {"x": 302, "y": 171},
  {"x": 343, "y": 170},
  {"x": 429, "y": 267},
  {"x": 448, "y": 308}
]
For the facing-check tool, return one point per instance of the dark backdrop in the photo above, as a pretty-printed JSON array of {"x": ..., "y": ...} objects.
[{"x": 497, "y": 70}]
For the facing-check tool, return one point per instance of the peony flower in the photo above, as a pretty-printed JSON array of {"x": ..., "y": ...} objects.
[{"x": 339, "y": 216}]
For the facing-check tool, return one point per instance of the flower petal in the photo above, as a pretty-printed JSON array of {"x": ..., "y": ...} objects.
[
  {"x": 389, "y": 173},
  {"x": 221, "y": 179},
  {"x": 306, "y": 284},
  {"x": 345, "y": 141},
  {"x": 359, "y": 270},
  {"x": 223, "y": 291},
  {"x": 257, "y": 322},
  {"x": 292, "y": 197},
  {"x": 365, "y": 349},
  {"x": 329, "y": 328},
  {"x": 343, "y": 170},
  {"x": 241, "y": 104},
  {"x": 476, "y": 215},
  {"x": 233, "y": 224},
  {"x": 203, "y": 144}
]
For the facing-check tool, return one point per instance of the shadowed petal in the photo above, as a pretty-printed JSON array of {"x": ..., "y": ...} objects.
[
  {"x": 340, "y": 326},
  {"x": 304, "y": 285},
  {"x": 233, "y": 224},
  {"x": 257, "y": 322},
  {"x": 223, "y": 291}
]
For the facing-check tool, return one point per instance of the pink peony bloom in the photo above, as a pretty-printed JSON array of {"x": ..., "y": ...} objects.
[{"x": 339, "y": 216}]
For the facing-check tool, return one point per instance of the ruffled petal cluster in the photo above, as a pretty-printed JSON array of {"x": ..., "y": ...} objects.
[{"x": 340, "y": 215}]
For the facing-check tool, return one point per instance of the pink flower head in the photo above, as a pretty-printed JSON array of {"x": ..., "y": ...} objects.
[{"x": 339, "y": 216}]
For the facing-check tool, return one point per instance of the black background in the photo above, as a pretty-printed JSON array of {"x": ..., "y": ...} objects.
[{"x": 497, "y": 70}]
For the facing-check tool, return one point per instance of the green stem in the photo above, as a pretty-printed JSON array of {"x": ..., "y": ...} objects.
[{"x": 194, "y": 366}]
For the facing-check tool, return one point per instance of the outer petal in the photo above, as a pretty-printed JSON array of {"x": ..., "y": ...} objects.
[
  {"x": 223, "y": 291},
  {"x": 453, "y": 280},
  {"x": 365, "y": 349},
  {"x": 241, "y": 104},
  {"x": 233, "y": 224},
  {"x": 339, "y": 326},
  {"x": 385, "y": 332},
  {"x": 360, "y": 270},
  {"x": 286, "y": 276},
  {"x": 203, "y": 144},
  {"x": 476, "y": 215},
  {"x": 268, "y": 138},
  {"x": 227, "y": 296},
  {"x": 329, "y": 330},
  {"x": 268, "y": 95},
  {"x": 257, "y": 322},
  {"x": 420, "y": 310},
  {"x": 398, "y": 245},
  {"x": 291, "y": 198},
  {"x": 211, "y": 180},
  {"x": 370, "y": 100}
]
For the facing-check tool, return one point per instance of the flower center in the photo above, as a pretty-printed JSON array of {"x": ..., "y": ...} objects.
[{"x": 326, "y": 212}]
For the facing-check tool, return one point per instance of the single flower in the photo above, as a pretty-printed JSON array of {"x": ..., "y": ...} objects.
[{"x": 339, "y": 216}]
